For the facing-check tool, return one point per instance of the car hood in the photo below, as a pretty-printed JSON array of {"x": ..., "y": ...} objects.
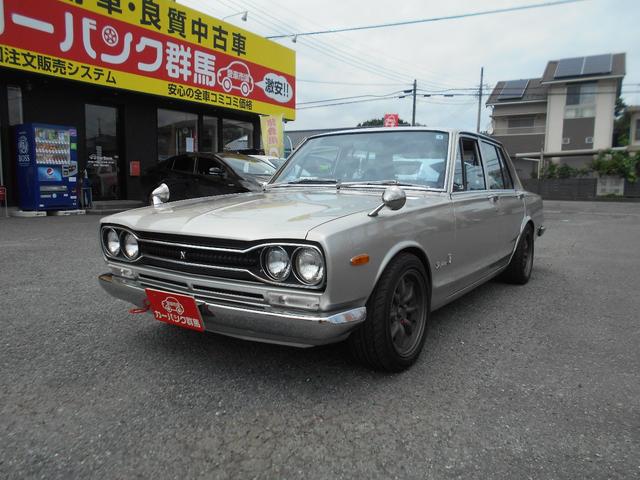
[{"x": 279, "y": 213}]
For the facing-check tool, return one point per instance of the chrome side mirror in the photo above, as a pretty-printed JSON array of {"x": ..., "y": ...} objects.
[
  {"x": 393, "y": 198},
  {"x": 160, "y": 195}
]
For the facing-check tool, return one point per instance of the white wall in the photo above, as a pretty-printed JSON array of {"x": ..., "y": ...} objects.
[
  {"x": 555, "y": 117},
  {"x": 605, "y": 106}
]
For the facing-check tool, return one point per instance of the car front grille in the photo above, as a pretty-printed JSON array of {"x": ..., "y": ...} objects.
[{"x": 200, "y": 256}]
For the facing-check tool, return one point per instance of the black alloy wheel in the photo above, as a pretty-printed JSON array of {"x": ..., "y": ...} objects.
[
  {"x": 519, "y": 269},
  {"x": 392, "y": 336}
]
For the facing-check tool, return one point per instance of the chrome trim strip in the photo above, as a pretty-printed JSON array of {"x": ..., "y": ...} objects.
[
  {"x": 232, "y": 269},
  {"x": 228, "y": 250}
]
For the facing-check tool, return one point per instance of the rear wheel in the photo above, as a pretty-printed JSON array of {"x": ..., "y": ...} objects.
[
  {"x": 392, "y": 336},
  {"x": 521, "y": 265}
]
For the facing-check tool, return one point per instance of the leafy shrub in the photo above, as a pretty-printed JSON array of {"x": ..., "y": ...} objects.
[{"x": 623, "y": 164}]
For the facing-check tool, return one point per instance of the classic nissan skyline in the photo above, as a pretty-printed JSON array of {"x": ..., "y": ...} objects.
[{"x": 317, "y": 257}]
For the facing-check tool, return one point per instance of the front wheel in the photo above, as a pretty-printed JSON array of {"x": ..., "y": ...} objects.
[
  {"x": 519, "y": 269},
  {"x": 392, "y": 336}
]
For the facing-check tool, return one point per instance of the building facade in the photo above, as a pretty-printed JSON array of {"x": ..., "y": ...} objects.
[
  {"x": 138, "y": 82},
  {"x": 571, "y": 107}
]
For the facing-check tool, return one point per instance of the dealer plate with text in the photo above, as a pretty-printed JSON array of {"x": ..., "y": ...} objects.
[{"x": 175, "y": 309}]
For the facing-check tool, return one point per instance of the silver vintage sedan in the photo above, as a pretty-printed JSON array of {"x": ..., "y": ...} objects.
[{"x": 358, "y": 237}]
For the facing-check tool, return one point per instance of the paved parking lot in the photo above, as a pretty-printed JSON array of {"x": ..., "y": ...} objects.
[{"x": 540, "y": 381}]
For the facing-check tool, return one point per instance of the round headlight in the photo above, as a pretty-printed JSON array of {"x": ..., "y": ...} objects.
[
  {"x": 130, "y": 246},
  {"x": 309, "y": 266},
  {"x": 277, "y": 263},
  {"x": 112, "y": 241}
]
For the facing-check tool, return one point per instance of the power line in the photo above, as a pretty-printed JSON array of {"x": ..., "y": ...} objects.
[
  {"x": 346, "y": 103},
  {"x": 364, "y": 52},
  {"x": 427, "y": 20},
  {"x": 350, "y": 98},
  {"x": 326, "y": 82},
  {"x": 332, "y": 51}
]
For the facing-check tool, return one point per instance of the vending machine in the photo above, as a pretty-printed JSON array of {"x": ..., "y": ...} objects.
[{"x": 47, "y": 158}]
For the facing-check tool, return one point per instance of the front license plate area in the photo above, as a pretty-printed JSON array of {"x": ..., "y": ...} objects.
[{"x": 175, "y": 309}]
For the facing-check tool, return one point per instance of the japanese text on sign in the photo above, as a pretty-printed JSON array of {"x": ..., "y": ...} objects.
[{"x": 150, "y": 46}]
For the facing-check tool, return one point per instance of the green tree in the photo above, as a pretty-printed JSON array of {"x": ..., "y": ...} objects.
[
  {"x": 621, "y": 124},
  {"x": 379, "y": 122}
]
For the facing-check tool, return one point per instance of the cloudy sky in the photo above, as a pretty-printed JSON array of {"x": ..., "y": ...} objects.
[{"x": 441, "y": 55}]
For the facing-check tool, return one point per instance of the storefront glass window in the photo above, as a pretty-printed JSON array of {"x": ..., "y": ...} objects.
[
  {"x": 209, "y": 134},
  {"x": 14, "y": 96},
  {"x": 177, "y": 133},
  {"x": 237, "y": 135},
  {"x": 103, "y": 158}
]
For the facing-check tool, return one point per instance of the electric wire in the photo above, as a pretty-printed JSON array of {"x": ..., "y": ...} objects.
[{"x": 428, "y": 20}]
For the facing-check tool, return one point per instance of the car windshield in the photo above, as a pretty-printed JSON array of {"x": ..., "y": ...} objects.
[
  {"x": 249, "y": 166},
  {"x": 404, "y": 157}
]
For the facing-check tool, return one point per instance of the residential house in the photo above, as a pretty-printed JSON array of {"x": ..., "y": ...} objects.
[{"x": 570, "y": 108}]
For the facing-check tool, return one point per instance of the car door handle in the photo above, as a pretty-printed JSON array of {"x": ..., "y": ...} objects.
[
  {"x": 520, "y": 195},
  {"x": 493, "y": 198}
]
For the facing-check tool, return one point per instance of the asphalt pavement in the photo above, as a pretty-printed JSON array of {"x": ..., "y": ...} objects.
[{"x": 515, "y": 382}]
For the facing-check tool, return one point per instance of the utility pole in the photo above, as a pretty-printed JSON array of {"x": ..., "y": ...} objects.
[
  {"x": 413, "y": 117},
  {"x": 479, "y": 99}
]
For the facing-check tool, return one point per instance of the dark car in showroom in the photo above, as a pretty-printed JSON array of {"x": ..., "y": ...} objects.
[{"x": 192, "y": 175}]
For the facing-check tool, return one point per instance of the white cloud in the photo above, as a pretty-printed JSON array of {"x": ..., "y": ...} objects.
[{"x": 441, "y": 55}]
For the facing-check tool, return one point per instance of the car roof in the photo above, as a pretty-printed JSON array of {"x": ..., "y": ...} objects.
[{"x": 451, "y": 131}]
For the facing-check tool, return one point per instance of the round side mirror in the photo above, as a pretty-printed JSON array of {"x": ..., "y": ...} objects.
[
  {"x": 394, "y": 198},
  {"x": 160, "y": 195}
]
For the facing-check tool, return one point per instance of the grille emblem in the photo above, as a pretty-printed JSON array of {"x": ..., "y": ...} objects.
[{"x": 183, "y": 255}]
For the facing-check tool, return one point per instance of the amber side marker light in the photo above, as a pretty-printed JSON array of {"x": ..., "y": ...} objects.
[{"x": 362, "y": 259}]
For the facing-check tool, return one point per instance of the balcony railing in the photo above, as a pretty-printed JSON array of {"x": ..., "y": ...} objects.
[{"x": 519, "y": 130}]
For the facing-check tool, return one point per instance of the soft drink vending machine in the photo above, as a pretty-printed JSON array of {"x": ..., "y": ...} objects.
[{"x": 47, "y": 166}]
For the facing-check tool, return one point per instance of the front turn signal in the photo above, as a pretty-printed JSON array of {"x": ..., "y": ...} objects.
[{"x": 361, "y": 259}]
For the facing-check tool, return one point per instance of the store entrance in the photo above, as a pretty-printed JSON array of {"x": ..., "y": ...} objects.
[{"x": 103, "y": 152}]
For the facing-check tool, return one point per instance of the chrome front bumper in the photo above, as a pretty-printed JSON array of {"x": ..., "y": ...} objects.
[{"x": 270, "y": 325}]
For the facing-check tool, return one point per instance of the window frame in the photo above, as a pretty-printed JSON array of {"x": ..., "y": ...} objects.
[
  {"x": 184, "y": 155},
  {"x": 507, "y": 178},
  {"x": 475, "y": 140}
]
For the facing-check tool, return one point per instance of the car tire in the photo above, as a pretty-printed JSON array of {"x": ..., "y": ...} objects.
[
  {"x": 244, "y": 89},
  {"x": 519, "y": 269},
  {"x": 226, "y": 85},
  {"x": 392, "y": 336}
]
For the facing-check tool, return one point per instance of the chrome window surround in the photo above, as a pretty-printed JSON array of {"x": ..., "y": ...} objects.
[{"x": 265, "y": 279}]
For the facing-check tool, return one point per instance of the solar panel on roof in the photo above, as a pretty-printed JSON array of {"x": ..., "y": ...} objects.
[
  {"x": 598, "y": 64},
  {"x": 513, "y": 89},
  {"x": 569, "y": 67}
]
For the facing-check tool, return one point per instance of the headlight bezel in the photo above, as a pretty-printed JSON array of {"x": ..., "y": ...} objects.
[
  {"x": 265, "y": 263},
  {"x": 294, "y": 279},
  {"x": 106, "y": 242},
  {"x": 123, "y": 245},
  {"x": 297, "y": 269},
  {"x": 121, "y": 254}
]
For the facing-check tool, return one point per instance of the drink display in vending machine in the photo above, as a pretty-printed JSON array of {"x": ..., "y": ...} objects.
[{"x": 47, "y": 158}]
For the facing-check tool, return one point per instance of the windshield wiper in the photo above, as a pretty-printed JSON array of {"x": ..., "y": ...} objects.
[
  {"x": 388, "y": 183},
  {"x": 302, "y": 181}
]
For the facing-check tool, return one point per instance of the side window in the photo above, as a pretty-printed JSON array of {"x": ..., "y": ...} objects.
[
  {"x": 473, "y": 174},
  {"x": 205, "y": 166},
  {"x": 493, "y": 166},
  {"x": 183, "y": 164},
  {"x": 506, "y": 171}
]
